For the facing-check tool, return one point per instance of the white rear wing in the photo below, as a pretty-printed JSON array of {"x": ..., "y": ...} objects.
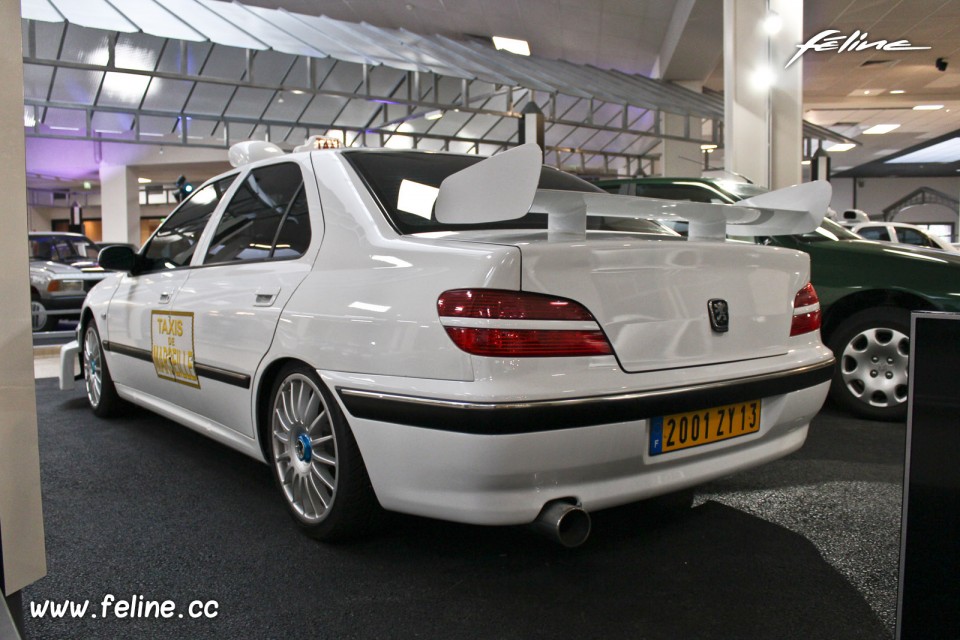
[{"x": 503, "y": 187}]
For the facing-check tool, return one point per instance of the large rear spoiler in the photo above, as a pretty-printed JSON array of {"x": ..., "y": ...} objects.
[{"x": 504, "y": 187}]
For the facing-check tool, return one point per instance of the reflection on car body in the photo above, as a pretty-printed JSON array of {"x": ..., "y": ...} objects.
[{"x": 446, "y": 359}]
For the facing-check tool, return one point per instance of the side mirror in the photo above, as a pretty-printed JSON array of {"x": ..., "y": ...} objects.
[{"x": 118, "y": 258}]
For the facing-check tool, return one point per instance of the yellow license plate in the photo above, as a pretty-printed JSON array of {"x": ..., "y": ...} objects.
[{"x": 694, "y": 428}]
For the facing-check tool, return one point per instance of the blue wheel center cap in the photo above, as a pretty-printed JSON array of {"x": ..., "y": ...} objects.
[{"x": 304, "y": 448}]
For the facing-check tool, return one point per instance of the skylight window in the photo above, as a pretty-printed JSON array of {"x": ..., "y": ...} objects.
[{"x": 945, "y": 152}]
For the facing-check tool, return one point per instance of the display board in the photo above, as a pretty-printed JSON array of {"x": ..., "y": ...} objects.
[{"x": 930, "y": 552}]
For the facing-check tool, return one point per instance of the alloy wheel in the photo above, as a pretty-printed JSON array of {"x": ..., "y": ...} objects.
[
  {"x": 304, "y": 448},
  {"x": 92, "y": 366}
]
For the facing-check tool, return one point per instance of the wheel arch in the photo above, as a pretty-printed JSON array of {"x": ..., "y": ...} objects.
[
  {"x": 860, "y": 300},
  {"x": 86, "y": 317},
  {"x": 262, "y": 401}
]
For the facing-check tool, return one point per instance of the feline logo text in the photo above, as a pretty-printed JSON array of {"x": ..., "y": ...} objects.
[{"x": 857, "y": 41}]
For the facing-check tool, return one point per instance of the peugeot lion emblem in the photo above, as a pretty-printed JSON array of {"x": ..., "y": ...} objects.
[{"x": 719, "y": 315}]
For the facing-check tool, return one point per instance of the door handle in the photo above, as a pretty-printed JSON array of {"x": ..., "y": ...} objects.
[
  {"x": 164, "y": 298},
  {"x": 265, "y": 299}
]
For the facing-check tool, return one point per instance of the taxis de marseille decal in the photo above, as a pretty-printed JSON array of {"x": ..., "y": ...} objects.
[{"x": 171, "y": 341}]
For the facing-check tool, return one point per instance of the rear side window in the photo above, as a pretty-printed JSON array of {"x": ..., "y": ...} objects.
[
  {"x": 266, "y": 219},
  {"x": 173, "y": 244}
]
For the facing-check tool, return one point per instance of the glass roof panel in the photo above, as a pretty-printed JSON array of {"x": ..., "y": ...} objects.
[
  {"x": 209, "y": 99},
  {"x": 152, "y": 18},
  {"x": 36, "y": 81},
  {"x": 76, "y": 86},
  {"x": 94, "y": 13},
  {"x": 123, "y": 89},
  {"x": 166, "y": 95}
]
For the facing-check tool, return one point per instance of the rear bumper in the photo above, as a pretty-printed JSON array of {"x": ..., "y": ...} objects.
[
  {"x": 501, "y": 418},
  {"x": 500, "y": 462}
]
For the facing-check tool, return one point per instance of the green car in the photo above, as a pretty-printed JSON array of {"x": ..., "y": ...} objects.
[{"x": 867, "y": 290}]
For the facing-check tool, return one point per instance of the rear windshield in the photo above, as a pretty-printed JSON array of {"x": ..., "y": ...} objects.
[{"x": 404, "y": 183}]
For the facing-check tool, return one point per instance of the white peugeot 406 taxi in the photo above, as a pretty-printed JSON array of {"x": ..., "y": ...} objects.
[{"x": 487, "y": 341}]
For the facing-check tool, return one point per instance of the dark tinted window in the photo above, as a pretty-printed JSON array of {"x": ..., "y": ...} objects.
[
  {"x": 175, "y": 241},
  {"x": 266, "y": 218},
  {"x": 875, "y": 233},
  {"x": 912, "y": 236},
  {"x": 692, "y": 193},
  {"x": 386, "y": 173}
]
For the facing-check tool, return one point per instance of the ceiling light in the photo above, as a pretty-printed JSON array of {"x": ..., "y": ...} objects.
[
  {"x": 897, "y": 91},
  {"x": 297, "y": 92},
  {"x": 928, "y": 107},
  {"x": 878, "y": 129},
  {"x": 56, "y": 128},
  {"x": 144, "y": 180},
  {"x": 841, "y": 146},
  {"x": 804, "y": 162},
  {"x": 707, "y": 147},
  {"x": 519, "y": 47},
  {"x": 434, "y": 115},
  {"x": 772, "y": 23},
  {"x": 763, "y": 78}
]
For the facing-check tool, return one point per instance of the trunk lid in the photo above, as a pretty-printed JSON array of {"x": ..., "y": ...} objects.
[{"x": 651, "y": 296}]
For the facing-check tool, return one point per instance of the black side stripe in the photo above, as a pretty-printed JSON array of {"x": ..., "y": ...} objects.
[
  {"x": 226, "y": 376},
  {"x": 536, "y": 416}
]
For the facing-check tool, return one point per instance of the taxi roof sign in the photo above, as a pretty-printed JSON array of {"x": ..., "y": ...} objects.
[{"x": 314, "y": 143}]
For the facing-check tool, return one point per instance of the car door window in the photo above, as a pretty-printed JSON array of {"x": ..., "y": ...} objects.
[
  {"x": 875, "y": 233},
  {"x": 175, "y": 241},
  {"x": 912, "y": 236},
  {"x": 267, "y": 218}
]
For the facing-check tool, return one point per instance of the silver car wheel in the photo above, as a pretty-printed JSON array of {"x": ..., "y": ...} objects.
[
  {"x": 92, "y": 366},
  {"x": 304, "y": 448},
  {"x": 874, "y": 366},
  {"x": 38, "y": 314}
]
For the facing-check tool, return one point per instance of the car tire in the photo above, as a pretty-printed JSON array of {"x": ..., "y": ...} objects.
[
  {"x": 316, "y": 461},
  {"x": 98, "y": 383},
  {"x": 872, "y": 348},
  {"x": 41, "y": 318}
]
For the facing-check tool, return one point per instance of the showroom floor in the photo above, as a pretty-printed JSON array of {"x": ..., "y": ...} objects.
[{"x": 805, "y": 547}]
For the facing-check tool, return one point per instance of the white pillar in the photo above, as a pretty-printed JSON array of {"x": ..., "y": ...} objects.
[
  {"x": 119, "y": 204},
  {"x": 763, "y": 102},
  {"x": 21, "y": 517},
  {"x": 678, "y": 158}
]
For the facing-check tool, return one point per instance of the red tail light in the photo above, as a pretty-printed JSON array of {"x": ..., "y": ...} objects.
[
  {"x": 806, "y": 311},
  {"x": 490, "y": 322}
]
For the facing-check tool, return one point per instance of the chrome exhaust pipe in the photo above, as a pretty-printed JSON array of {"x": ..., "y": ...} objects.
[{"x": 565, "y": 522}]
